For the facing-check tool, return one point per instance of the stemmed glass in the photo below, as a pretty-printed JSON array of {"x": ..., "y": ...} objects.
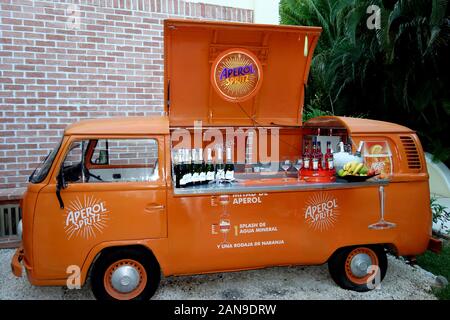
[
  {"x": 285, "y": 165},
  {"x": 224, "y": 227},
  {"x": 298, "y": 164},
  {"x": 382, "y": 224}
]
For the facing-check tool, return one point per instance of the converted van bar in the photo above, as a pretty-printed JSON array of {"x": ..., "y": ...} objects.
[{"x": 104, "y": 201}]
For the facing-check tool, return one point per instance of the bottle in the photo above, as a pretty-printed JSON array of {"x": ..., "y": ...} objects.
[
  {"x": 187, "y": 168},
  {"x": 177, "y": 167},
  {"x": 201, "y": 167},
  {"x": 307, "y": 157},
  {"x": 341, "y": 147},
  {"x": 329, "y": 159},
  {"x": 320, "y": 155},
  {"x": 195, "y": 168},
  {"x": 182, "y": 172},
  {"x": 229, "y": 166},
  {"x": 315, "y": 157},
  {"x": 358, "y": 152},
  {"x": 220, "y": 167},
  {"x": 209, "y": 168}
]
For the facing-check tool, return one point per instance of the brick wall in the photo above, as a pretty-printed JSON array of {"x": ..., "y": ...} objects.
[{"x": 62, "y": 61}]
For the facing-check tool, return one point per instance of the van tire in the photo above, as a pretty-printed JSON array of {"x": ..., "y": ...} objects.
[
  {"x": 144, "y": 273},
  {"x": 342, "y": 262}
]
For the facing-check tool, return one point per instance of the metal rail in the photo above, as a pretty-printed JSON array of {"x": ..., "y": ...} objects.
[{"x": 236, "y": 187}]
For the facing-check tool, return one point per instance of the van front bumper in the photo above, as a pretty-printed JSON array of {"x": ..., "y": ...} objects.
[{"x": 16, "y": 262}]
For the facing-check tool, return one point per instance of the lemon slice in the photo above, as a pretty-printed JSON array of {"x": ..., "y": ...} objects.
[{"x": 376, "y": 149}]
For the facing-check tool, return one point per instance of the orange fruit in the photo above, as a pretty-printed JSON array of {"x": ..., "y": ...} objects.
[{"x": 376, "y": 149}]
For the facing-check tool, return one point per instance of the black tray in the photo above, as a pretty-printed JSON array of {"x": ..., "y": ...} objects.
[{"x": 351, "y": 178}]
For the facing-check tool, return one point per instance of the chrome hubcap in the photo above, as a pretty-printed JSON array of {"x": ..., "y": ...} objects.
[
  {"x": 359, "y": 264},
  {"x": 125, "y": 279}
]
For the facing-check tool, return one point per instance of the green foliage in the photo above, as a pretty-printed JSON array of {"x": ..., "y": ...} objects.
[
  {"x": 398, "y": 73},
  {"x": 439, "y": 211},
  {"x": 311, "y": 112},
  {"x": 438, "y": 265}
]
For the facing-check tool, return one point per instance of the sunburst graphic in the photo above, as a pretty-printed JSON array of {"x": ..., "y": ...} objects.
[
  {"x": 85, "y": 219},
  {"x": 321, "y": 211},
  {"x": 239, "y": 86}
]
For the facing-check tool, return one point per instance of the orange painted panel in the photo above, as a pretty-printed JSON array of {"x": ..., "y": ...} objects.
[{"x": 191, "y": 49}]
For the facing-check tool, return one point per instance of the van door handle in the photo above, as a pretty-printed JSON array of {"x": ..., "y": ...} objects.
[{"x": 154, "y": 207}]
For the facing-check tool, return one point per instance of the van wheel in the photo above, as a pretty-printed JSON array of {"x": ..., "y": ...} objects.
[
  {"x": 125, "y": 274},
  {"x": 350, "y": 267}
]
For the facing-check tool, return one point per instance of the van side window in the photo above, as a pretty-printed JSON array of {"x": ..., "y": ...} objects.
[
  {"x": 115, "y": 160},
  {"x": 112, "y": 160},
  {"x": 73, "y": 162}
]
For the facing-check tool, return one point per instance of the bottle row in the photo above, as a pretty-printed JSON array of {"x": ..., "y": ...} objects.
[
  {"x": 190, "y": 168},
  {"x": 315, "y": 160}
]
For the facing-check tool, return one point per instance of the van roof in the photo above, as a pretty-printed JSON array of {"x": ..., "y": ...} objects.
[
  {"x": 357, "y": 125},
  {"x": 120, "y": 126}
]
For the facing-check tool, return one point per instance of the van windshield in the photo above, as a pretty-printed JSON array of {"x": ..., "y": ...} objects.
[{"x": 42, "y": 169}]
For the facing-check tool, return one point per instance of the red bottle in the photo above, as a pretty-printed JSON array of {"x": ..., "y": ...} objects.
[
  {"x": 307, "y": 158},
  {"x": 315, "y": 166},
  {"x": 320, "y": 155},
  {"x": 329, "y": 159}
]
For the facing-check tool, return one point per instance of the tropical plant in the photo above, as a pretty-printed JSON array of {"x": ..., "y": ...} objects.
[
  {"x": 439, "y": 212},
  {"x": 399, "y": 72}
]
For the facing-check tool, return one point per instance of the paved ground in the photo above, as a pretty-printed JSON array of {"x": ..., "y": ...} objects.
[{"x": 402, "y": 282}]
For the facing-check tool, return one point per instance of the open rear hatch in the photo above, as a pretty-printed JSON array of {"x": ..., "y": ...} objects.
[{"x": 230, "y": 74}]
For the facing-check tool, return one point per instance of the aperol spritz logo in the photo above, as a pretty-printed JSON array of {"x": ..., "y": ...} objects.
[
  {"x": 85, "y": 218},
  {"x": 236, "y": 75},
  {"x": 321, "y": 211}
]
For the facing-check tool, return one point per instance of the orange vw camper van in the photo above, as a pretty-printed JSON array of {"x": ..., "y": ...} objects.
[{"x": 116, "y": 198}]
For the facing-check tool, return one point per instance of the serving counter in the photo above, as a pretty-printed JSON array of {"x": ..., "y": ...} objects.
[{"x": 272, "y": 185}]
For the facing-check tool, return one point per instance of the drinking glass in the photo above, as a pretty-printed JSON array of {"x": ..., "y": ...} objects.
[
  {"x": 382, "y": 224},
  {"x": 224, "y": 228},
  {"x": 298, "y": 164},
  {"x": 285, "y": 165}
]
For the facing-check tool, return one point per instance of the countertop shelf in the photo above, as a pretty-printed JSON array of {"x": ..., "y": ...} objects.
[{"x": 272, "y": 185}]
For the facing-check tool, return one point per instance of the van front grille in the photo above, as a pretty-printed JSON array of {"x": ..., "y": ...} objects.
[{"x": 412, "y": 155}]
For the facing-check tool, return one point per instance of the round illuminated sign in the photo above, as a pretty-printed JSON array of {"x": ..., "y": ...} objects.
[{"x": 236, "y": 75}]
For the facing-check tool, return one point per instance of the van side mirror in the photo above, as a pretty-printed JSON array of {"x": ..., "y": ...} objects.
[{"x": 60, "y": 184}]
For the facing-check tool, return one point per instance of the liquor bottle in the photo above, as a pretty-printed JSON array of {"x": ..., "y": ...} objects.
[
  {"x": 209, "y": 168},
  {"x": 220, "y": 167},
  {"x": 315, "y": 157},
  {"x": 201, "y": 167},
  {"x": 358, "y": 152},
  {"x": 307, "y": 157},
  {"x": 177, "y": 167},
  {"x": 195, "y": 167},
  {"x": 320, "y": 155},
  {"x": 188, "y": 168},
  {"x": 329, "y": 159},
  {"x": 229, "y": 166},
  {"x": 182, "y": 159}
]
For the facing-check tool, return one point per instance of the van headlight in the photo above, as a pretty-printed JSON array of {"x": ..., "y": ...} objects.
[{"x": 19, "y": 229}]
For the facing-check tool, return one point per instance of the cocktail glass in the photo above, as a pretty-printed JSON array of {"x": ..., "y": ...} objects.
[
  {"x": 285, "y": 165},
  {"x": 382, "y": 224},
  {"x": 224, "y": 228}
]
